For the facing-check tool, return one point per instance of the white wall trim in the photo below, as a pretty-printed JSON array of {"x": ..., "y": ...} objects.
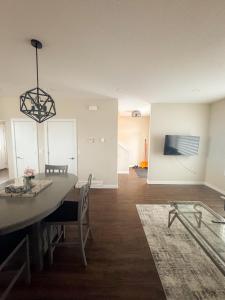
[
  {"x": 122, "y": 172},
  {"x": 214, "y": 187},
  {"x": 175, "y": 182},
  {"x": 109, "y": 186},
  {"x": 97, "y": 184}
]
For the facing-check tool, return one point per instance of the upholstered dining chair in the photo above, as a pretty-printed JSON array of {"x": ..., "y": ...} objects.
[
  {"x": 14, "y": 260},
  {"x": 72, "y": 213},
  {"x": 59, "y": 231}
]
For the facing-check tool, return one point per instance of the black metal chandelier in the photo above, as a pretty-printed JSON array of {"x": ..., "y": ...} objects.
[{"x": 36, "y": 103}]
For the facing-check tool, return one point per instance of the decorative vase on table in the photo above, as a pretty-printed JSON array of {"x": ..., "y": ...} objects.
[
  {"x": 27, "y": 183},
  {"x": 27, "y": 179}
]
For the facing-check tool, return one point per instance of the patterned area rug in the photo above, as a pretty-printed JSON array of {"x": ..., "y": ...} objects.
[{"x": 186, "y": 272}]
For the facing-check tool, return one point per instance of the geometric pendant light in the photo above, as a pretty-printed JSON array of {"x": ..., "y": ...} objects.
[{"x": 36, "y": 103}]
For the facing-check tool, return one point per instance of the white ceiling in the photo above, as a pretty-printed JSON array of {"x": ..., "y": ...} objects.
[
  {"x": 127, "y": 105},
  {"x": 152, "y": 50}
]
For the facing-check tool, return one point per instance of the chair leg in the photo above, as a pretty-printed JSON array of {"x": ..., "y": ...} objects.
[
  {"x": 28, "y": 275},
  {"x": 88, "y": 225},
  {"x": 50, "y": 251},
  {"x": 81, "y": 242},
  {"x": 64, "y": 232}
]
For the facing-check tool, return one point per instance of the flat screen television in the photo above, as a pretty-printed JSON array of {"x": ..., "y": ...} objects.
[{"x": 181, "y": 145}]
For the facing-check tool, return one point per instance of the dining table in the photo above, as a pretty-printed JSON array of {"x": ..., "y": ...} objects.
[{"x": 20, "y": 212}]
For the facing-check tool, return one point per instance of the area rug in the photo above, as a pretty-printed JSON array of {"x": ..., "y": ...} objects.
[
  {"x": 142, "y": 173},
  {"x": 185, "y": 271}
]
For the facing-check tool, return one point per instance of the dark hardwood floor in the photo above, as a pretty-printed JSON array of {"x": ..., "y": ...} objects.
[{"x": 120, "y": 262}]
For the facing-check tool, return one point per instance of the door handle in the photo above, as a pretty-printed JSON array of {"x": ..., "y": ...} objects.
[
  {"x": 18, "y": 157},
  {"x": 72, "y": 158}
]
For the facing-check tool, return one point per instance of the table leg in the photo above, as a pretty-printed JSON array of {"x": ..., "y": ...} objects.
[
  {"x": 37, "y": 246},
  {"x": 170, "y": 220},
  {"x": 198, "y": 218}
]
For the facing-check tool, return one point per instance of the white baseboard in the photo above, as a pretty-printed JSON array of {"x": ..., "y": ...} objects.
[
  {"x": 214, "y": 187},
  {"x": 95, "y": 183},
  {"x": 98, "y": 184},
  {"x": 109, "y": 186},
  {"x": 123, "y": 172},
  {"x": 175, "y": 182}
]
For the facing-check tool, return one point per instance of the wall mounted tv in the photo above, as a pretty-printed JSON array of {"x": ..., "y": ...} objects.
[{"x": 181, "y": 145}]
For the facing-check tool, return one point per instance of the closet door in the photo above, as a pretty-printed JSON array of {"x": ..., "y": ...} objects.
[
  {"x": 25, "y": 146},
  {"x": 62, "y": 144}
]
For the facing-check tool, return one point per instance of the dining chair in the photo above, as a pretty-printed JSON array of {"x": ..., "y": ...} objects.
[
  {"x": 18, "y": 254},
  {"x": 59, "y": 231},
  {"x": 72, "y": 213},
  {"x": 56, "y": 169}
]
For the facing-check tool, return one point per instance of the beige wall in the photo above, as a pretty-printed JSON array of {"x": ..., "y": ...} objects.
[
  {"x": 183, "y": 119},
  {"x": 98, "y": 158},
  {"x": 132, "y": 133},
  {"x": 215, "y": 176}
]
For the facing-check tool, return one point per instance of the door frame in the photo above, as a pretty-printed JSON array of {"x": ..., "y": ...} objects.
[
  {"x": 12, "y": 121},
  {"x": 74, "y": 121}
]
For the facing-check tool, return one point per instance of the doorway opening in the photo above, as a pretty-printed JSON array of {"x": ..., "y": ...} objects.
[
  {"x": 4, "y": 173},
  {"x": 133, "y": 143}
]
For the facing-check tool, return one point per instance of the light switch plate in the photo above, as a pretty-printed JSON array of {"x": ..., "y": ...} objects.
[
  {"x": 93, "y": 107},
  {"x": 91, "y": 140}
]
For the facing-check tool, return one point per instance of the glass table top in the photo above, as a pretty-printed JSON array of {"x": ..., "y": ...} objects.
[{"x": 203, "y": 223}]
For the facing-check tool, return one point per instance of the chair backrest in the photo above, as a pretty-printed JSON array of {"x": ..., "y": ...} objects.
[
  {"x": 83, "y": 201},
  {"x": 54, "y": 169}
]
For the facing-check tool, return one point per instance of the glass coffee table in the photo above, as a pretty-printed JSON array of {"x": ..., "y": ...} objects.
[{"x": 205, "y": 225}]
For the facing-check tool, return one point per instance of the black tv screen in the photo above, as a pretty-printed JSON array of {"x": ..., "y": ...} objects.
[{"x": 181, "y": 145}]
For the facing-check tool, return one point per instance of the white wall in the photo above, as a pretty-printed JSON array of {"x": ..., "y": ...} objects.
[
  {"x": 123, "y": 160},
  {"x": 180, "y": 119},
  {"x": 132, "y": 133},
  {"x": 215, "y": 176},
  {"x": 98, "y": 158}
]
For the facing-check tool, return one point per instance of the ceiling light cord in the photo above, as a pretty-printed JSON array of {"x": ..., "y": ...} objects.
[
  {"x": 37, "y": 67},
  {"x": 37, "y": 74}
]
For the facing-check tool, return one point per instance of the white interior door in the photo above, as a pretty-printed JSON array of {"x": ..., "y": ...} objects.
[
  {"x": 26, "y": 146},
  {"x": 62, "y": 144},
  {"x": 3, "y": 152}
]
